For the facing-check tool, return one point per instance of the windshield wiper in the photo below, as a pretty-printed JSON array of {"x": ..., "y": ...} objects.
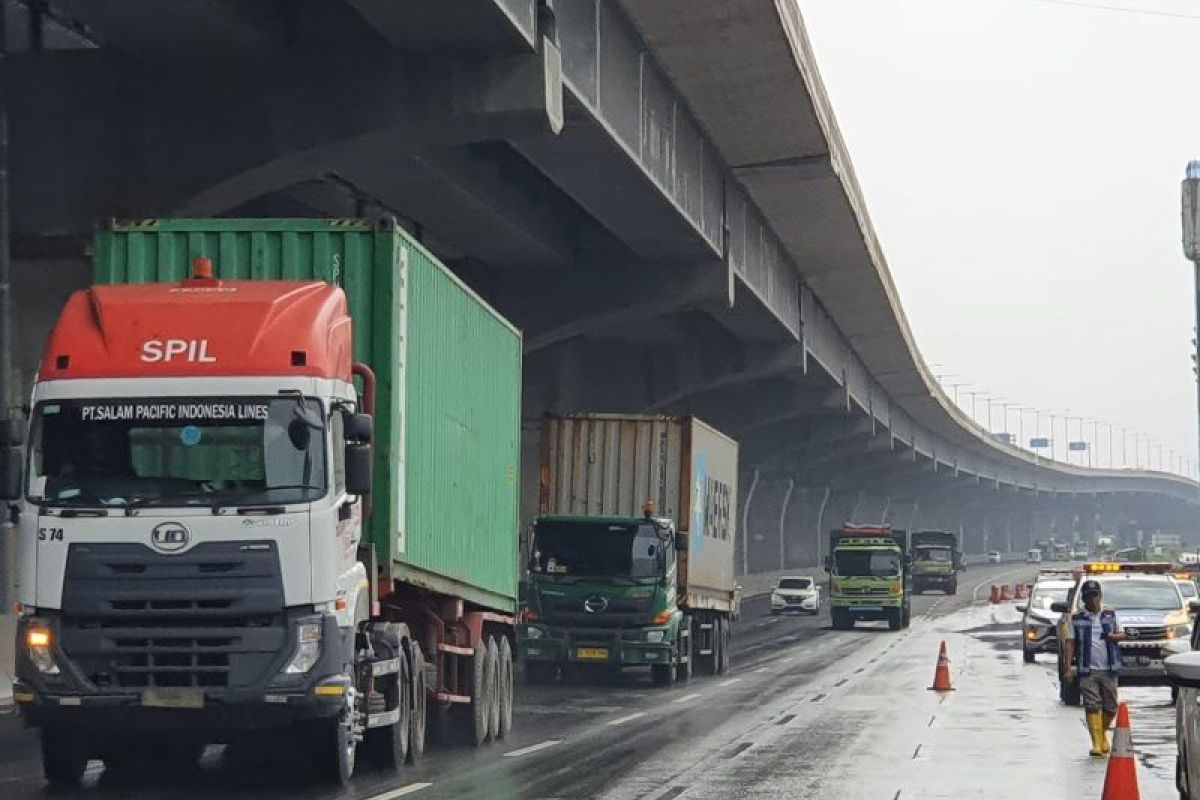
[
  {"x": 135, "y": 503},
  {"x": 239, "y": 499}
]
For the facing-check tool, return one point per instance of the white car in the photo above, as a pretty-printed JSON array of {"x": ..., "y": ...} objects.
[
  {"x": 993, "y": 557},
  {"x": 1184, "y": 671},
  {"x": 795, "y": 593}
]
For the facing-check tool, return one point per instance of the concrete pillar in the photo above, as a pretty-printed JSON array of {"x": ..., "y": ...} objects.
[{"x": 762, "y": 520}]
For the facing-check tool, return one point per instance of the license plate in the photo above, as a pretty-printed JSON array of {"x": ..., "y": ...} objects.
[
  {"x": 173, "y": 698},
  {"x": 592, "y": 653},
  {"x": 865, "y": 608}
]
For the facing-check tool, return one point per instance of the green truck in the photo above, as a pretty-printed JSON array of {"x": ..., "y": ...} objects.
[
  {"x": 870, "y": 576},
  {"x": 936, "y": 561},
  {"x": 272, "y": 497},
  {"x": 631, "y": 558}
]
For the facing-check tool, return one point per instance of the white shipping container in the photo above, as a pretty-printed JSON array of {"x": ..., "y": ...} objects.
[{"x": 611, "y": 464}]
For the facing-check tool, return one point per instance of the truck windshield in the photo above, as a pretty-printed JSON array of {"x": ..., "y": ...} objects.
[
  {"x": 177, "y": 451},
  {"x": 595, "y": 549},
  {"x": 933, "y": 554},
  {"x": 867, "y": 562}
]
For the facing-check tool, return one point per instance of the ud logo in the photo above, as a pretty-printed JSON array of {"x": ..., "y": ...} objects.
[{"x": 169, "y": 537}]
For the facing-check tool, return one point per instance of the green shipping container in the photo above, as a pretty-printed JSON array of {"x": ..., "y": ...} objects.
[{"x": 444, "y": 513}]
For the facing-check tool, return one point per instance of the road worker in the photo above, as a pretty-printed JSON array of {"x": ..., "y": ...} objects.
[{"x": 1093, "y": 656}]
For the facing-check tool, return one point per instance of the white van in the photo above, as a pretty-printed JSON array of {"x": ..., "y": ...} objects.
[{"x": 1034, "y": 556}]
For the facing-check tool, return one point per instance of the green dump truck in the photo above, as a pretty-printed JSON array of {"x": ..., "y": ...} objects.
[
  {"x": 272, "y": 497},
  {"x": 631, "y": 558},
  {"x": 936, "y": 561},
  {"x": 870, "y": 576}
]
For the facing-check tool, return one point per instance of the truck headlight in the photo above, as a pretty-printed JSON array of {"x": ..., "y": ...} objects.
[
  {"x": 532, "y": 632},
  {"x": 308, "y": 648},
  {"x": 39, "y": 643},
  {"x": 655, "y": 636}
]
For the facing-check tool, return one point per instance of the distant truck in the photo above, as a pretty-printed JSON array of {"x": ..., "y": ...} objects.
[
  {"x": 936, "y": 561},
  {"x": 631, "y": 558},
  {"x": 269, "y": 498},
  {"x": 1062, "y": 552},
  {"x": 870, "y": 576}
]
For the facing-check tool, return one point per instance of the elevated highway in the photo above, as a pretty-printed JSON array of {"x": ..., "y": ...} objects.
[{"x": 655, "y": 191}]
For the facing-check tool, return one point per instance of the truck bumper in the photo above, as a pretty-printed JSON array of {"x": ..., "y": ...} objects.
[
  {"x": 275, "y": 700},
  {"x": 613, "y": 647},
  {"x": 868, "y": 609}
]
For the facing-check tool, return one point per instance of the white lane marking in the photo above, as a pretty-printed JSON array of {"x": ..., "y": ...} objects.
[
  {"x": 762, "y": 669},
  {"x": 786, "y": 659},
  {"x": 686, "y": 697},
  {"x": 629, "y": 718},
  {"x": 403, "y": 790},
  {"x": 533, "y": 748},
  {"x": 729, "y": 682},
  {"x": 771, "y": 620}
]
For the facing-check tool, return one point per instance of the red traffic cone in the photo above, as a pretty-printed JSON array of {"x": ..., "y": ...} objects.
[
  {"x": 995, "y": 593},
  {"x": 1019, "y": 592},
  {"x": 1005, "y": 594},
  {"x": 941, "y": 676},
  {"x": 1120, "y": 781}
]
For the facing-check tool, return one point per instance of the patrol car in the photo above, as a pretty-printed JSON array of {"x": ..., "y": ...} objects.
[
  {"x": 1038, "y": 621},
  {"x": 1151, "y": 611}
]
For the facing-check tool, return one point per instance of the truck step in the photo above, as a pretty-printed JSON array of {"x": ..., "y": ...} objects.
[
  {"x": 383, "y": 718},
  {"x": 706, "y": 626},
  {"x": 388, "y": 666},
  {"x": 703, "y": 652}
]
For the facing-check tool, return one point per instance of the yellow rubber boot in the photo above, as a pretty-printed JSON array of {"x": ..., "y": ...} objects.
[
  {"x": 1107, "y": 719},
  {"x": 1095, "y": 725}
]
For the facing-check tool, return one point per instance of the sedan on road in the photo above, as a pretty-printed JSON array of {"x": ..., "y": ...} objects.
[
  {"x": 993, "y": 557},
  {"x": 795, "y": 593}
]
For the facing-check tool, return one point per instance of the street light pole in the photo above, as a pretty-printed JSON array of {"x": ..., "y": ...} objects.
[{"x": 1190, "y": 212}]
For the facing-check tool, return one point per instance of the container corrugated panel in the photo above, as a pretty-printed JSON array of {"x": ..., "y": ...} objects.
[
  {"x": 444, "y": 512},
  {"x": 463, "y": 433},
  {"x": 611, "y": 464}
]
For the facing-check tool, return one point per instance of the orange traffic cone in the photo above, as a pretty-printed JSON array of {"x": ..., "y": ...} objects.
[
  {"x": 1020, "y": 592},
  {"x": 995, "y": 593},
  {"x": 1005, "y": 594},
  {"x": 941, "y": 676},
  {"x": 1120, "y": 781}
]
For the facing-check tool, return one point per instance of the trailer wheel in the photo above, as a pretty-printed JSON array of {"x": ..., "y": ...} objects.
[
  {"x": 506, "y": 689},
  {"x": 64, "y": 757},
  {"x": 482, "y": 688},
  {"x": 493, "y": 668},
  {"x": 417, "y": 720}
]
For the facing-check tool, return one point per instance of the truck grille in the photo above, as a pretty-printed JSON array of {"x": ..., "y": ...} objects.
[
  {"x": 872, "y": 591},
  {"x": 208, "y": 618},
  {"x": 618, "y": 613}
]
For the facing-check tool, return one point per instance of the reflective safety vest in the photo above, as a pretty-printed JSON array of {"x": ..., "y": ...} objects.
[{"x": 1081, "y": 624}]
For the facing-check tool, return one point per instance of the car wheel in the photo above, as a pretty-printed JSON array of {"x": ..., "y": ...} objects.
[{"x": 1028, "y": 655}]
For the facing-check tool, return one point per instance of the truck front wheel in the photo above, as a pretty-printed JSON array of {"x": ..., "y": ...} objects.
[
  {"x": 687, "y": 653},
  {"x": 842, "y": 620},
  {"x": 64, "y": 757},
  {"x": 334, "y": 748},
  {"x": 895, "y": 619}
]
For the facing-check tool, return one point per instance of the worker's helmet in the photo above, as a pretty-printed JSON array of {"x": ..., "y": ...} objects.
[{"x": 1090, "y": 589}]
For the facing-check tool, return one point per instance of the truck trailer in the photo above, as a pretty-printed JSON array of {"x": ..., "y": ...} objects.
[
  {"x": 631, "y": 557},
  {"x": 870, "y": 575},
  {"x": 936, "y": 561},
  {"x": 269, "y": 494}
]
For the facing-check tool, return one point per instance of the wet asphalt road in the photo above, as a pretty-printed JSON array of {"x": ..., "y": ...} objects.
[{"x": 740, "y": 735}]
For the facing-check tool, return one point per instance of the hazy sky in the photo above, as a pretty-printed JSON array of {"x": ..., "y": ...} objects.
[{"x": 1021, "y": 161}]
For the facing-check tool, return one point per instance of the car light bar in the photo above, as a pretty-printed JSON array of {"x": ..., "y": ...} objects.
[{"x": 1127, "y": 566}]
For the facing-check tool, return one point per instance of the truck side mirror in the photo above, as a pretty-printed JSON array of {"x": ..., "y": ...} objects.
[
  {"x": 358, "y": 428},
  {"x": 359, "y": 472},
  {"x": 828, "y": 564},
  {"x": 1058, "y": 608}
]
